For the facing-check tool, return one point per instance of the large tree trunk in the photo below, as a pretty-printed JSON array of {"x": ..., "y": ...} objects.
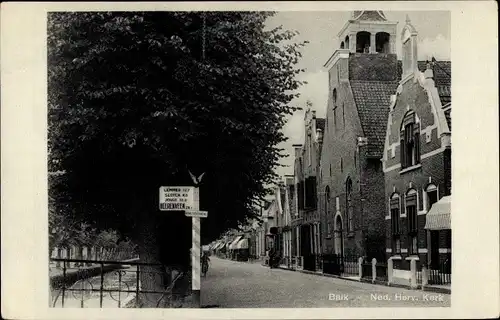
[{"x": 152, "y": 278}]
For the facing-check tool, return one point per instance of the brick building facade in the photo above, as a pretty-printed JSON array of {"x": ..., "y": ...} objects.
[
  {"x": 306, "y": 170},
  {"x": 363, "y": 73},
  {"x": 417, "y": 160}
]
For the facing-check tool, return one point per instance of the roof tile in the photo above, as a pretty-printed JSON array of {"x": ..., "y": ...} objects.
[{"x": 372, "y": 100}]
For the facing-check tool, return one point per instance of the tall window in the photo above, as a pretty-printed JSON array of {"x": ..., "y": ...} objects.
[
  {"x": 382, "y": 40},
  {"x": 309, "y": 147},
  {"x": 300, "y": 194},
  {"x": 310, "y": 192},
  {"x": 431, "y": 193},
  {"x": 411, "y": 217},
  {"x": 327, "y": 207},
  {"x": 343, "y": 115},
  {"x": 334, "y": 98},
  {"x": 363, "y": 39},
  {"x": 334, "y": 117},
  {"x": 395, "y": 226},
  {"x": 349, "y": 209},
  {"x": 410, "y": 141}
]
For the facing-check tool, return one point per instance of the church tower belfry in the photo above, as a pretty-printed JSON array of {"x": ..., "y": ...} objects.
[{"x": 368, "y": 32}]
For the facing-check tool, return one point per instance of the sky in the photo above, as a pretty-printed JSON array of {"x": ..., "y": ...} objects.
[{"x": 320, "y": 29}]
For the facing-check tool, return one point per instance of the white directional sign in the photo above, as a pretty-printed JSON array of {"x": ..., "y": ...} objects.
[
  {"x": 196, "y": 213},
  {"x": 176, "y": 198}
]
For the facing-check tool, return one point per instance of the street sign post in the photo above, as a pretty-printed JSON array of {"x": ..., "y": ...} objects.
[
  {"x": 187, "y": 199},
  {"x": 195, "y": 214},
  {"x": 176, "y": 198},
  {"x": 198, "y": 214}
]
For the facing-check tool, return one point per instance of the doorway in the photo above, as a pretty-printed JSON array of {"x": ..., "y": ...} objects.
[
  {"x": 434, "y": 263},
  {"x": 339, "y": 236}
]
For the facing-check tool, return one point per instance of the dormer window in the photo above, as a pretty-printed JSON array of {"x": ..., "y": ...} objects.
[
  {"x": 342, "y": 45},
  {"x": 363, "y": 42},
  {"x": 346, "y": 41}
]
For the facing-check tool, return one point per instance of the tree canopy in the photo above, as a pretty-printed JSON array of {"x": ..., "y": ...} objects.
[{"x": 136, "y": 99}]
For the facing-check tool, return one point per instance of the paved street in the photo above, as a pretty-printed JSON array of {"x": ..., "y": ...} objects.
[{"x": 231, "y": 284}]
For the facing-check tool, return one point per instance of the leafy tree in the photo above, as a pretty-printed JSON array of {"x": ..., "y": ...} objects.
[{"x": 138, "y": 99}]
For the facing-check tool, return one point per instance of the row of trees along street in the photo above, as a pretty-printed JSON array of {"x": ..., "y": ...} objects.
[{"x": 136, "y": 99}]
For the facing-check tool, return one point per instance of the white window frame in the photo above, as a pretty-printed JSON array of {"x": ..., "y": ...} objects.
[
  {"x": 405, "y": 195},
  {"x": 430, "y": 187}
]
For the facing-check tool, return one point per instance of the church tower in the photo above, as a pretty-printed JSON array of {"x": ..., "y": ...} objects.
[
  {"x": 368, "y": 32},
  {"x": 363, "y": 74}
]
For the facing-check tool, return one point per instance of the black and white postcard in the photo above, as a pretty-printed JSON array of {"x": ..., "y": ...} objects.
[{"x": 249, "y": 160}]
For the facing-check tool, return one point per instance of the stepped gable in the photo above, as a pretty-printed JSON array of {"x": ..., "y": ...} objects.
[{"x": 442, "y": 78}]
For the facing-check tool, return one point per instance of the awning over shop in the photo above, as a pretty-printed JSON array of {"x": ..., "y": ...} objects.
[
  {"x": 219, "y": 245},
  {"x": 439, "y": 216},
  {"x": 232, "y": 246},
  {"x": 242, "y": 244}
]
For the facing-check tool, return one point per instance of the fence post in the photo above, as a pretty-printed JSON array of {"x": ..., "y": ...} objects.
[
  {"x": 425, "y": 276},
  {"x": 59, "y": 256},
  {"x": 374, "y": 270},
  {"x": 360, "y": 267},
  {"x": 389, "y": 271},
  {"x": 71, "y": 253},
  {"x": 413, "y": 273}
]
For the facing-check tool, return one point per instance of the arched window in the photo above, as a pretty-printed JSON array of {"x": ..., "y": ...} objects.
[
  {"x": 382, "y": 42},
  {"x": 409, "y": 141},
  {"x": 349, "y": 208},
  {"x": 327, "y": 206},
  {"x": 342, "y": 45},
  {"x": 411, "y": 217},
  {"x": 334, "y": 99},
  {"x": 346, "y": 41},
  {"x": 394, "y": 204},
  {"x": 363, "y": 42},
  {"x": 431, "y": 196},
  {"x": 339, "y": 236}
]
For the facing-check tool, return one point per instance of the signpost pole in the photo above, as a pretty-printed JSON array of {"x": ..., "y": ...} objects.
[{"x": 195, "y": 251}]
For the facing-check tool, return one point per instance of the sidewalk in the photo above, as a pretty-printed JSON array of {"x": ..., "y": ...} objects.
[{"x": 430, "y": 288}]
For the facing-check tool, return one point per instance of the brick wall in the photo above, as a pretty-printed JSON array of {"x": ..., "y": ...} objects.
[
  {"x": 415, "y": 97},
  {"x": 373, "y": 205},
  {"x": 419, "y": 178},
  {"x": 340, "y": 159},
  {"x": 436, "y": 167},
  {"x": 373, "y": 67}
]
